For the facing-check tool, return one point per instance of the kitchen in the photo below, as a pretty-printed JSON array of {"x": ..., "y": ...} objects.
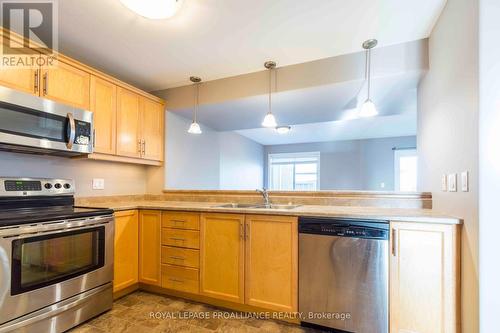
[{"x": 129, "y": 167}]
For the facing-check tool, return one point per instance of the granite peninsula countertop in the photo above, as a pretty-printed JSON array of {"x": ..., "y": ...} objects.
[{"x": 392, "y": 214}]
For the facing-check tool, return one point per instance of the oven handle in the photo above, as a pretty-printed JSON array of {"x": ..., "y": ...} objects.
[
  {"x": 72, "y": 128},
  {"x": 53, "y": 231},
  {"x": 53, "y": 310}
]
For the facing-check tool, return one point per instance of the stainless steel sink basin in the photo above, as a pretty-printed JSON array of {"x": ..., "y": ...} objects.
[
  {"x": 236, "y": 205},
  {"x": 276, "y": 206},
  {"x": 261, "y": 206}
]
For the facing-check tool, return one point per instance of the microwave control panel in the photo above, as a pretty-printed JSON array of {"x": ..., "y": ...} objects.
[{"x": 83, "y": 133}]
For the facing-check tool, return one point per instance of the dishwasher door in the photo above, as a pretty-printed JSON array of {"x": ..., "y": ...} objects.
[{"x": 344, "y": 276}]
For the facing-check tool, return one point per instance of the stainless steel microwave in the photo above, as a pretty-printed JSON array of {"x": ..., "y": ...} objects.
[{"x": 31, "y": 124}]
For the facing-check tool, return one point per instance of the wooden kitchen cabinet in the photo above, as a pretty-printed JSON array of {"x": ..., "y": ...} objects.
[
  {"x": 222, "y": 256},
  {"x": 19, "y": 77},
  {"x": 424, "y": 278},
  {"x": 103, "y": 104},
  {"x": 66, "y": 84},
  {"x": 150, "y": 247},
  {"x": 126, "y": 260},
  {"x": 128, "y": 124},
  {"x": 271, "y": 262},
  {"x": 139, "y": 126},
  {"x": 152, "y": 114}
]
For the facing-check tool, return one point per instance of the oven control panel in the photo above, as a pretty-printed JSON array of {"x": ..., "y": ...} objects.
[
  {"x": 83, "y": 134},
  {"x": 35, "y": 186}
]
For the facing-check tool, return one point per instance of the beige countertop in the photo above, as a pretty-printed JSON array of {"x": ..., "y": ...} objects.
[{"x": 393, "y": 214}]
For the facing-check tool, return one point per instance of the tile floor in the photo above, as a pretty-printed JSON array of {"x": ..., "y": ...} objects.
[{"x": 132, "y": 314}]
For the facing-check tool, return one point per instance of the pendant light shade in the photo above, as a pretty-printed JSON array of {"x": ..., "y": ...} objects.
[
  {"x": 195, "y": 128},
  {"x": 269, "y": 120},
  {"x": 368, "y": 109}
]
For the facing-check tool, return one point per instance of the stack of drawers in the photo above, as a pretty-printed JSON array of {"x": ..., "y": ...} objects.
[{"x": 180, "y": 251}]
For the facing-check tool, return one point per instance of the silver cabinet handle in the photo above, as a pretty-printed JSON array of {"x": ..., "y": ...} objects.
[
  {"x": 139, "y": 142},
  {"x": 178, "y": 239},
  {"x": 242, "y": 231},
  {"x": 177, "y": 258},
  {"x": 144, "y": 147},
  {"x": 36, "y": 81},
  {"x": 176, "y": 280},
  {"x": 394, "y": 242},
  {"x": 247, "y": 230},
  {"x": 45, "y": 83}
]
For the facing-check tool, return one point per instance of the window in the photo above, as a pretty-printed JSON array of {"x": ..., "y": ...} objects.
[
  {"x": 294, "y": 172},
  {"x": 405, "y": 170}
]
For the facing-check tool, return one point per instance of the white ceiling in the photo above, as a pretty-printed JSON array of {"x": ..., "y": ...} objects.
[
  {"x": 221, "y": 38},
  {"x": 349, "y": 129}
]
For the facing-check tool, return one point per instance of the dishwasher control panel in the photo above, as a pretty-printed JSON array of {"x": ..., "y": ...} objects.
[{"x": 345, "y": 228}]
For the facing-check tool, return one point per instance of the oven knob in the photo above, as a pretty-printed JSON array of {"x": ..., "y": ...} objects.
[
  {"x": 67, "y": 186},
  {"x": 57, "y": 185},
  {"x": 48, "y": 186}
]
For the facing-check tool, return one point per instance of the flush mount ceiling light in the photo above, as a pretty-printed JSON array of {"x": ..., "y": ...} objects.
[
  {"x": 194, "y": 128},
  {"x": 269, "y": 120},
  {"x": 368, "y": 109},
  {"x": 154, "y": 9},
  {"x": 283, "y": 129}
]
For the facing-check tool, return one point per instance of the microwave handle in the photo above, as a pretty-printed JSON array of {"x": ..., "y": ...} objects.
[{"x": 72, "y": 131}]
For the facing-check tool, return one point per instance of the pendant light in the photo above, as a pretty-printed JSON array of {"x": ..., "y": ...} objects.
[
  {"x": 269, "y": 120},
  {"x": 194, "y": 128},
  {"x": 368, "y": 109}
]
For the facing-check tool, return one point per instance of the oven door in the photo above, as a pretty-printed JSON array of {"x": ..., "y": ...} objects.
[
  {"x": 33, "y": 122},
  {"x": 58, "y": 261}
]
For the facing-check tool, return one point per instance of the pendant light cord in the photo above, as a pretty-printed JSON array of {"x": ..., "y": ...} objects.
[
  {"x": 270, "y": 87},
  {"x": 368, "y": 70},
  {"x": 196, "y": 100}
]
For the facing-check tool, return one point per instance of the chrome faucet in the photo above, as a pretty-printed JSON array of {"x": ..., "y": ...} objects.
[{"x": 265, "y": 195}]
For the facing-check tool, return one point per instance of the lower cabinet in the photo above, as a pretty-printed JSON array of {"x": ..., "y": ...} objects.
[
  {"x": 271, "y": 262},
  {"x": 424, "y": 278},
  {"x": 222, "y": 264},
  {"x": 126, "y": 261},
  {"x": 150, "y": 247}
]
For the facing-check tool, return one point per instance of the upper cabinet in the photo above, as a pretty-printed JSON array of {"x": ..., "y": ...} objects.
[
  {"x": 23, "y": 79},
  {"x": 66, "y": 84},
  {"x": 128, "y": 122},
  {"x": 152, "y": 129},
  {"x": 103, "y": 104},
  {"x": 129, "y": 141},
  {"x": 140, "y": 126}
]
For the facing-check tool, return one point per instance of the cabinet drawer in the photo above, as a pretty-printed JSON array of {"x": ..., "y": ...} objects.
[
  {"x": 180, "y": 238},
  {"x": 179, "y": 256},
  {"x": 180, "y": 220},
  {"x": 180, "y": 278}
]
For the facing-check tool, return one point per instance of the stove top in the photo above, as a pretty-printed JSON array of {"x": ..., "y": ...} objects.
[{"x": 34, "y": 200}]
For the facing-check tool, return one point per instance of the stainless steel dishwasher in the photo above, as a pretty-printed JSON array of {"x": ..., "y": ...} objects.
[{"x": 344, "y": 274}]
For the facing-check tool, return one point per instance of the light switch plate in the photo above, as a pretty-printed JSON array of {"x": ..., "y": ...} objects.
[
  {"x": 444, "y": 183},
  {"x": 98, "y": 184},
  {"x": 452, "y": 182},
  {"x": 464, "y": 177}
]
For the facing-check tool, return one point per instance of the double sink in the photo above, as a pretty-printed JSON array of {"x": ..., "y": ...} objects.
[{"x": 257, "y": 206}]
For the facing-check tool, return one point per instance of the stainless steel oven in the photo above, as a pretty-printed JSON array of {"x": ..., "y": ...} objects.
[
  {"x": 56, "y": 260},
  {"x": 36, "y": 125}
]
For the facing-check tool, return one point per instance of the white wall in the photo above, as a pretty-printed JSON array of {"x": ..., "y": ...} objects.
[
  {"x": 119, "y": 179},
  {"x": 351, "y": 165},
  {"x": 241, "y": 162},
  {"x": 489, "y": 164},
  {"x": 448, "y": 134},
  {"x": 192, "y": 161},
  {"x": 212, "y": 160}
]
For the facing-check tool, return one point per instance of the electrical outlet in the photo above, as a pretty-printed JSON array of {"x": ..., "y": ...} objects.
[
  {"x": 98, "y": 184},
  {"x": 465, "y": 181},
  {"x": 452, "y": 182},
  {"x": 444, "y": 183}
]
